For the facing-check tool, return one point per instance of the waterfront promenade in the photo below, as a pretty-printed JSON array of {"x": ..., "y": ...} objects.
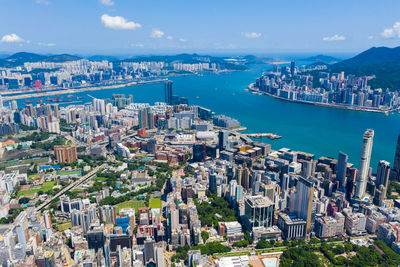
[{"x": 340, "y": 106}]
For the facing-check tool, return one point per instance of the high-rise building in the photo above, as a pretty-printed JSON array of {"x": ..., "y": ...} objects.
[
  {"x": 199, "y": 152},
  {"x": 395, "y": 172},
  {"x": 259, "y": 211},
  {"x": 341, "y": 168},
  {"x": 304, "y": 202},
  {"x": 292, "y": 67},
  {"x": 65, "y": 154},
  {"x": 365, "y": 158},
  {"x": 47, "y": 219},
  {"x": 96, "y": 238},
  {"x": 107, "y": 214},
  {"x": 146, "y": 118},
  {"x": 99, "y": 105},
  {"x": 149, "y": 250},
  {"x": 382, "y": 175},
  {"x": 168, "y": 92},
  {"x": 245, "y": 178},
  {"x": 223, "y": 140},
  {"x": 14, "y": 105},
  {"x": 159, "y": 256}
]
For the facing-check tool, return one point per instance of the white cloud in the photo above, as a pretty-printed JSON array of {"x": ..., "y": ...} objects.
[
  {"x": 43, "y": 2},
  {"x": 170, "y": 37},
  {"x": 107, "y": 2},
  {"x": 156, "y": 33},
  {"x": 119, "y": 23},
  {"x": 47, "y": 44},
  {"x": 335, "y": 37},
  {"x": 11, "y": 38},
  {"x": 182, "y": 40},
  {"x": 251, "y": 35},
  {"x": 392, "y": 32},
  {"x": 371, "y": 37},
  {"x": 137, "y": 45}
]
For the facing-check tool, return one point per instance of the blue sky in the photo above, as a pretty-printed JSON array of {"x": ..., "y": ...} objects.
[{"x": 217, "y": 26}]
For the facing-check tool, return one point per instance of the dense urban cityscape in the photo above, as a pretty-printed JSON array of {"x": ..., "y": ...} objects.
[
  {"x": 326, "y": 89},
  {"x": 119, "y": 183},
  {"x": 199, "y": 133}
]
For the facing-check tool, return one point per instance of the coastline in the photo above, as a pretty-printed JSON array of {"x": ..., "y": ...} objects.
[
  {"x": 78, "y": 90},
  {"x": 386, "y": 112},
  {"x": 21, "y": 94}
]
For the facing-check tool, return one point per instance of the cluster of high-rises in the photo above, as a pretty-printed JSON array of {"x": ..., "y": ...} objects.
[
  {"x": 84, "y": 72},
  {"x": 335, "y": 89}
]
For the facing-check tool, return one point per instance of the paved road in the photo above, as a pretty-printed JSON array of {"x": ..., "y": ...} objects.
[{"x": 71, "y": 186}]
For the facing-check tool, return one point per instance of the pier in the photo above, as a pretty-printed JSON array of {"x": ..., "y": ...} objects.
[{"x": 261, "y": 135}]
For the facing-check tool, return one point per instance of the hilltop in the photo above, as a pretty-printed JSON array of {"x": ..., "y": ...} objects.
[
  {"x": 383, "y": 62},
  {"x": 20, "y": 58},
  {"x": 322, "y": 59}
]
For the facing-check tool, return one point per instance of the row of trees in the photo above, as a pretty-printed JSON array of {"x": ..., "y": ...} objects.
[{"x": 339, "y": 255}]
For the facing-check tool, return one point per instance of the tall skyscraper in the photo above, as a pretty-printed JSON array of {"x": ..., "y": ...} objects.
[
  {"x": 365, "y": 158},
  {"x": 395, "y": 172},
  {"x": 382, "y": 174},
  {"x": 168, "y": 92},
  {"x": 341, "y": 168},
  {"x": 245, "y": 178},
  {"x": 223, "y": 141},
  {"x": 292, "y": 66},
  {"x": 304, "y": 202},
  {"x": 146, "y": 118},
  {"x": 99, "y": 105}
]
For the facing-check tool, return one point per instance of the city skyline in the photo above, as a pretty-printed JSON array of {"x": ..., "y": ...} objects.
[{"x": 125, "y": 27}]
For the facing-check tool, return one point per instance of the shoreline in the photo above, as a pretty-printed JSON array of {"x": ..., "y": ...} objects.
[
  {"x": 21, "y": 94},
  {"x": 79, "y": 90},
  {"x": 386, "y": 112}
]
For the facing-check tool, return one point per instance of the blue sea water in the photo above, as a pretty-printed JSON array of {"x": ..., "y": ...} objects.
[{"x": 319, "y": 130}]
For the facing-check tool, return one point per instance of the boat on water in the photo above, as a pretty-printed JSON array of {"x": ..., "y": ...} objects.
[
  {"x": 79, "y": 97},
  {"x": 70, "y": 96},
  {"x": 246, "y": 90}
]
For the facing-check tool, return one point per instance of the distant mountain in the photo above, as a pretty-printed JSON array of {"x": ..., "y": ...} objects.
[
  {"x": 188, "y": 59},
  {"x": 322, "y": 58},
  {"x": 383, "y": 62},
  {"x": 251, "y": 59},
  {"x": 372, "y": 56},
  {"x": 24, "y": 57},
  {"x": 18, "y": 59},
  {"x": 62, "y": 58},
  {"x": 101, "y": 58},
  {"x": 184, "y": 58}
]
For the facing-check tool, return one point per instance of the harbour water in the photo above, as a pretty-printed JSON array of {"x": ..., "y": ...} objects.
[{"x": 319, "y": 130}]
